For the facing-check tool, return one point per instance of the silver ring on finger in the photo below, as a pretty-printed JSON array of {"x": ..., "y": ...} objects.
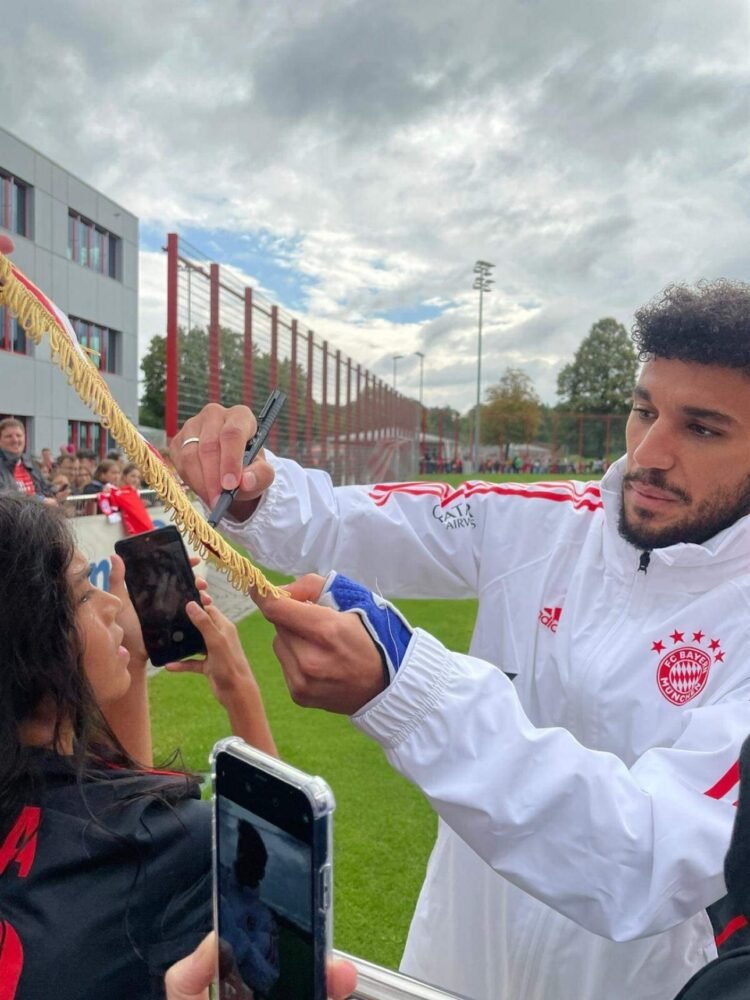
[{"x": 190, "y": 441}]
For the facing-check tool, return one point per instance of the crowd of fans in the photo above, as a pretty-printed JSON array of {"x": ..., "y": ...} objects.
[
  {"x": 432, "y": 463},
  {"x": 73, "y": 472}
]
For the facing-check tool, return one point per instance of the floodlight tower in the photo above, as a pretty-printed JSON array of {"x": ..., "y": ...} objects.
[
  {"x": 422, "y": 415},
  {"x": 482, "y": 283}
]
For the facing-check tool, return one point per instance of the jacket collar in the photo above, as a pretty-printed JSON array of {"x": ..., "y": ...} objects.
[
  {"x": 10, "y": 459},
  {"x": 725, "y": 555}
]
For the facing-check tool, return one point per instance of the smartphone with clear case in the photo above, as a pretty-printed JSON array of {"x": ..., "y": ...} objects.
[{"x": 272, "y": 876}]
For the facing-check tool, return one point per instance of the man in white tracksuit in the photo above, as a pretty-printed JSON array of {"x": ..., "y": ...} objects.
[{"x": 599, "y": 782}]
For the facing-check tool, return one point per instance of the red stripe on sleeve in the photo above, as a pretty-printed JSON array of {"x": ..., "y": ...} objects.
[
  {"x": 725, "y": 783},
  {"x": 735, "y": 924}
]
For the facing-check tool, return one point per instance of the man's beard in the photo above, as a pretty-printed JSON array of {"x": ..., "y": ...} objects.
[{"x": 710, "y": 517}]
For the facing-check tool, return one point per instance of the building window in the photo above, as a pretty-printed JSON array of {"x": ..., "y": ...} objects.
[
  {"x": 93, "y": 247},
  {"x": 89, "y": 436},
  {"x": 104, "y": 344},
  {"x": 15, "y": 204},
  {"x": 12, "y": 337}
]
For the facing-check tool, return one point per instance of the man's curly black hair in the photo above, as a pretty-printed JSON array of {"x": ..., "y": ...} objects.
[{"x": 708, "y": 323}]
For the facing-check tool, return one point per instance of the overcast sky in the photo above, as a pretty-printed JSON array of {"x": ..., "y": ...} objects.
[{"x": 355, "y": 158}]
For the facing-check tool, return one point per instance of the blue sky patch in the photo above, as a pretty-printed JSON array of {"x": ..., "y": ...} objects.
[
  {"x": 412, "y": 314},
  {"x": 262, "y": 255}
]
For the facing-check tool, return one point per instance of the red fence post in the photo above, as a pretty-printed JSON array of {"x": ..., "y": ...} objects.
[
  {"x": 170, "y": 392},
  {"x": 337, "y": 418},
  {"x": 273, "y": 372},
  {"x": 324, "y": 411},
  {"x": 309, "y": 400},
  {"x": 381, "y": 410},
  {"x": 366, "y": 407},
  {"x": 214, "y": 389},
  {"x": 358, "y": 422},
  {"x": 247, "y": 351},
  {"x": 292, "y": 448},
  {"x": 348, "y": 422}
]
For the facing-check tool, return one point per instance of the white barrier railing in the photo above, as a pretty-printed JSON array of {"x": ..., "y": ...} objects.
[
  {"x": 96, "y": 536},
  {"x": 84, "y": 504},
  {"x": 377, "y": 983}
]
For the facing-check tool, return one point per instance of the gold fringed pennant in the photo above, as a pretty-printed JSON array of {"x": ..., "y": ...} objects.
[{"x": 37, "y": 315}]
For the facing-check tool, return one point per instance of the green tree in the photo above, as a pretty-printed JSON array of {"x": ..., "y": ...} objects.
[
  {"x": 433, "y": 421},
  {"x": 153, "y": 366},
  {"x": 601, "y": 376},
  {"x": 192, "y": 380},
  {"x": 512, "y": 411}
]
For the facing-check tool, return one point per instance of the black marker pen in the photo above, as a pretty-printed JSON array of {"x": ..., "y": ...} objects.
[{"x": 265, "y": 421}]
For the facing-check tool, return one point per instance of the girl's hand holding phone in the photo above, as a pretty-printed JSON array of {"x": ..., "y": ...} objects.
[
  {"x": 127, "y": 617},
  {"x": 229, "y": 675},
  {"x": 225, "y": 665}
]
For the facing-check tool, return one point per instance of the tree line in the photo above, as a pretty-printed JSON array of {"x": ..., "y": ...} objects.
[{"x": 594, "y": 391}]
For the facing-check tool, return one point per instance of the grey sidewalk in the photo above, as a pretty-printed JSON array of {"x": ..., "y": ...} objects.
[{"x": 228, "y": 600}]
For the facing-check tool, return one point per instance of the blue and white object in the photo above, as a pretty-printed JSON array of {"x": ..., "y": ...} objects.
[{"x": 388, "y": 628}]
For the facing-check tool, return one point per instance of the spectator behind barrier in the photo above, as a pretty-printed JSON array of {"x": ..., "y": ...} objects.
[
  {"x": 17, "y": 472},
  {"x": 107, "y": 473},
  {"x": 131, "y": 475}
]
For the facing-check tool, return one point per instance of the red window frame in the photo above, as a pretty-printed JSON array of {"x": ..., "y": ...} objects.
[
  {"x": 84, "y": 237},
  {"x": 8, "y": 204},
  {"x": 107, "y": 343},
  {"x": 82, "y": 433},
  {"x": 8, "y": 336}
]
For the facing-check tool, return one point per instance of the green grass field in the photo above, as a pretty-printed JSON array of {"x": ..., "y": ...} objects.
[
  {"x": 383, "y": 828},
  {"x": 491, "y": 477}
]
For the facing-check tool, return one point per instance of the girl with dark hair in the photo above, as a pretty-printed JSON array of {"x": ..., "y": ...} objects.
[{"x": 104, "y": 862}]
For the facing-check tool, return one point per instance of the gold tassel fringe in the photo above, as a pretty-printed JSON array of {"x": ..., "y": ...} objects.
[{"x": 36, "y": 320}]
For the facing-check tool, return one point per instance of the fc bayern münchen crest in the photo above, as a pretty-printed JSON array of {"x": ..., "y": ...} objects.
[{"x": 683, "y": 671}]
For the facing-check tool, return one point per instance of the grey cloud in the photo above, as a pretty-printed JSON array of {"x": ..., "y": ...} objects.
[{"x": 594, "y": 152}]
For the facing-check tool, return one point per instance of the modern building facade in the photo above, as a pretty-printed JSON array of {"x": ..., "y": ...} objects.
[{"x": 81, "y": 249}]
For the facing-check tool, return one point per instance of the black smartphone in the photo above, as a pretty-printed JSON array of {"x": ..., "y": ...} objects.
[
  {"x": 160, "y": 582},
  {"x": 272, "y": 876}
]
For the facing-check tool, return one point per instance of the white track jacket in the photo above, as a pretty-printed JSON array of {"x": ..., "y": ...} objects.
[{"x": 586, "y": 805}]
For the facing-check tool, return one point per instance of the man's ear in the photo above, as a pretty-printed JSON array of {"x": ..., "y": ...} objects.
[{"x": 6, "y": 244}]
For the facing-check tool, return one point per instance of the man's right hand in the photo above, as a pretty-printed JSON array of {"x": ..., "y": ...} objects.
[{"x": 214, "y": 461}]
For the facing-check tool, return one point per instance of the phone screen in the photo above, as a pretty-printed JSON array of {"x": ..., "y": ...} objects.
[
  {"x": 270, "y": 923},
  {"x": 160, "y": 583}
]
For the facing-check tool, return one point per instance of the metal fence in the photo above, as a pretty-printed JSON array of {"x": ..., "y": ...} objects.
[
  {"x": 85, "y": 504},
  {"x": 376, "y": 983},
  {"x": 227, "y": 344}
]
